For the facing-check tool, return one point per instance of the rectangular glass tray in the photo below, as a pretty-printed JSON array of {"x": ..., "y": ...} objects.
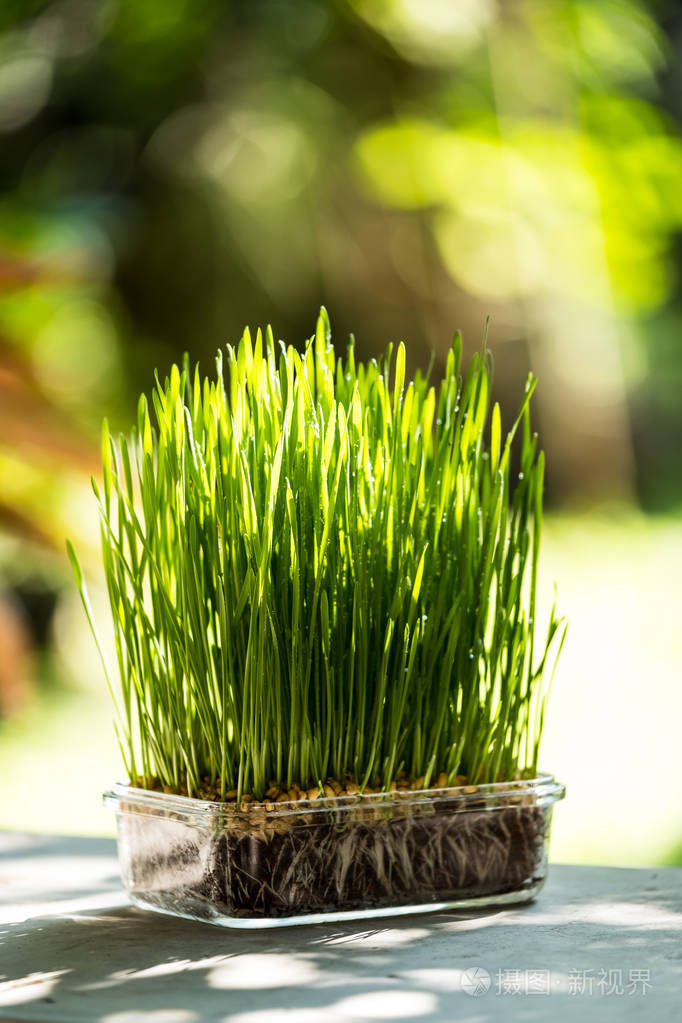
[{"x": 341, "y": 858}]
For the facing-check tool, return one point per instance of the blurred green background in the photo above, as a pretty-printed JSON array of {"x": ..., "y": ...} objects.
[{"x": 172, "y": 170}]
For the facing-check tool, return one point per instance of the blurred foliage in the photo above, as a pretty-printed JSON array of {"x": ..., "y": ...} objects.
[
  {"x": 172, "y": 170},
  {"x": 674, "y": 857}
]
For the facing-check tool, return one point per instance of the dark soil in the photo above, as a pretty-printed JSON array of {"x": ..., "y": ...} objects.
[{"x": 400, "y": 860}]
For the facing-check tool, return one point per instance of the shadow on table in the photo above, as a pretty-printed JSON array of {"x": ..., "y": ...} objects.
[
  {"x": 36, "y": 846},
  {"x": 55, "y": 869}
]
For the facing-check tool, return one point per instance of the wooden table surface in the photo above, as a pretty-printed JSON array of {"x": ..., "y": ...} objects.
[{"x": 598, "y": 943}]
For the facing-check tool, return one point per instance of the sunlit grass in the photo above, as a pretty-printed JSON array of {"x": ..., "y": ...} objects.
[{"x": 316, "y": 571}]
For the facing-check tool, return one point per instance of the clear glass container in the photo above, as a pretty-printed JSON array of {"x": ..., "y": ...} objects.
[{"x": 270, "y": 864}]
